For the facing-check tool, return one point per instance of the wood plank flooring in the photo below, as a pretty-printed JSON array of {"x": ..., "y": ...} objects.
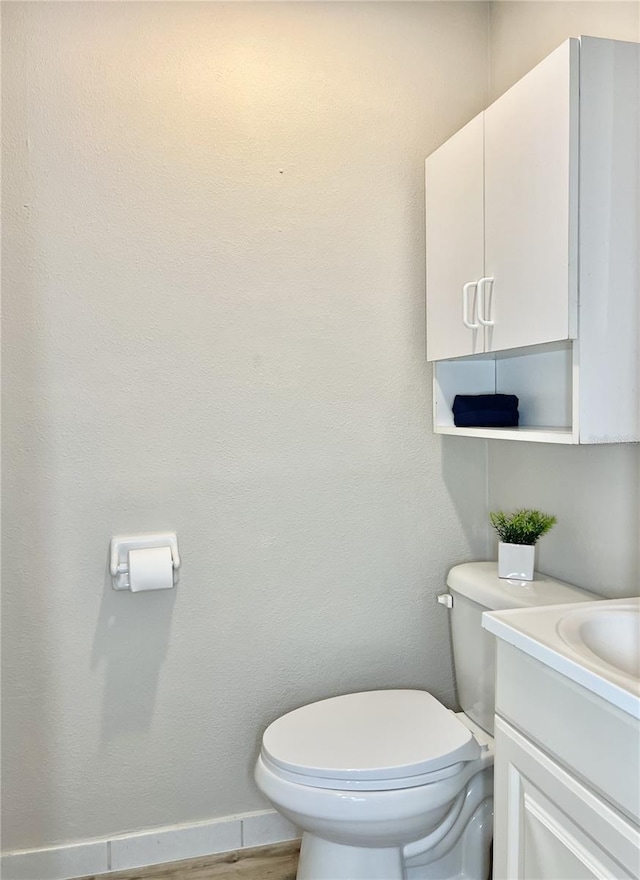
[{"x": 276, "y": 862}]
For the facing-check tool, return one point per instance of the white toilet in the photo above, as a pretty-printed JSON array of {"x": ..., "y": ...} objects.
[{"x": 389, "y": 784}]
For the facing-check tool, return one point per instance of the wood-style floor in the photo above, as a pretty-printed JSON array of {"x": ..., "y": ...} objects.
[{"x": 276, "y": 862}]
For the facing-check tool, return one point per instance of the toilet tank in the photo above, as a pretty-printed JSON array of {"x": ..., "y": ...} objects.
[{"x": 476, "y": 587}]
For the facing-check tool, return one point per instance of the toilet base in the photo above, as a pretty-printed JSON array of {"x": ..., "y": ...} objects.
[
  {"x": 467, "y": 859},
  {"x": 323, "y": 860}
]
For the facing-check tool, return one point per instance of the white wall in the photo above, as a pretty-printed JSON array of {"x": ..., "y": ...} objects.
[
  {"x": 523, "y": 32},
  {"x": 594, "y": 491},
  {"x": 213, "y": 276}
]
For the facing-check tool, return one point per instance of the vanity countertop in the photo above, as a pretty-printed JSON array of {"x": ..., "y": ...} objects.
[{"x": 595, "y": 644}]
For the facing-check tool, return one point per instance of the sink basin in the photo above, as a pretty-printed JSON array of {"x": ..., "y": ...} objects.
[{"x": 609, "y": 635}]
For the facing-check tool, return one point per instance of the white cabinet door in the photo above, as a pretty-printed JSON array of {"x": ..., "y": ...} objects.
[
  {"x": 455, "y": 243},
  {"x": 549, "y": 826},
  {"x": 531, "y": 205}
]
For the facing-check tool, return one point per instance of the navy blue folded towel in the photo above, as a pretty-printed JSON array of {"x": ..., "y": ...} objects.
[{"x": 485, "y": 411}]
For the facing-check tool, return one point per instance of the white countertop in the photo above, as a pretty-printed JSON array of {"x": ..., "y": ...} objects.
[{"x": 535, "y": 632}]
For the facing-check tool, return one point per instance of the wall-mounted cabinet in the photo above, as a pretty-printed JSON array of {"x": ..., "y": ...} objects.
[{"x": 532, "y": 219}]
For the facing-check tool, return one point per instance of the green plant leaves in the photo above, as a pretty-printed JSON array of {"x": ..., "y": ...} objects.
[{"x": 522, "y": 527}]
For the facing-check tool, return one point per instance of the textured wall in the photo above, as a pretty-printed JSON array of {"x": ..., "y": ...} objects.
[
  {"x": 213, "y": 284},
  {"x": 523, "y": 32},
  {"x": 594, "y": 491}
]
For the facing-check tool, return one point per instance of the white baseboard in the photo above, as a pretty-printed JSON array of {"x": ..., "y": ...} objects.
[{"x": 138, "y": 850}]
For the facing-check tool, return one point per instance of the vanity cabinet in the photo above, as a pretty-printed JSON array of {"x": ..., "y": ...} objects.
[
  {"x": 567, "y": 783},
  {"x": 532, "y": 230},
  {"x": 548, "y": 825}
]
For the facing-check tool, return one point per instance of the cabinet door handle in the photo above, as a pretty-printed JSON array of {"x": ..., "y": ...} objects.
[
  {"x": 486, "y": 322},
  {"x": 465, "y": 305}
]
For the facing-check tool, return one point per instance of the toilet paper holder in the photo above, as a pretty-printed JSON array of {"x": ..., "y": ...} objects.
[{"x": 119, "y": 555}]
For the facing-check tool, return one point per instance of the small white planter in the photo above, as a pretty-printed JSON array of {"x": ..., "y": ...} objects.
[{"x": 516, "y": 561}]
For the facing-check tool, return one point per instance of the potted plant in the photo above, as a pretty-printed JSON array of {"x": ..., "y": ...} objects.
[{"x": 518, "y": 533}]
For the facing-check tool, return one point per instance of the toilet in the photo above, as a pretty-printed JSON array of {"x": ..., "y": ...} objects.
[{"x": 390, "y": 784}]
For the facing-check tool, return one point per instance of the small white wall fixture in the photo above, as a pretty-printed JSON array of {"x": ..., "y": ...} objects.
[{"x": 140, "y": 563}]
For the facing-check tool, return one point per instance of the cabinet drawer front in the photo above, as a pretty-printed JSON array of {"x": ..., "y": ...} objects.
[
  {"x": 542, "y": 709},
  {"x": 548, "y": 825}
]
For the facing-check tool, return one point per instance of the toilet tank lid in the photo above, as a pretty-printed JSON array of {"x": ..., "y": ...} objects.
[{"x": 479, "y": 582}]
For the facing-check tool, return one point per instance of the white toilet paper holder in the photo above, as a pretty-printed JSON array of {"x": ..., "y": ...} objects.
[{"x": 119, "y": 557}]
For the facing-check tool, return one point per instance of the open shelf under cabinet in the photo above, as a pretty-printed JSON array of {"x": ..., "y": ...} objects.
[{"x": 544, "y": 379}]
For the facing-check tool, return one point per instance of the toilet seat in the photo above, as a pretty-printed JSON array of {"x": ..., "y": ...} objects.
[
  {"x": 396, "y": 784},
  {"x": 376, "y": 740}
]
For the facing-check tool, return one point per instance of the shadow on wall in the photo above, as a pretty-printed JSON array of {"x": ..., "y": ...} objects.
[
  {"x": 133, "y": 653},
  {"x": 464, "y": 470},
  {"x": 594, "y": 491}
]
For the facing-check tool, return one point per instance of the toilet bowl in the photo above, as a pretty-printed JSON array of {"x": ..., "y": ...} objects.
[{"x": 382, "y": 783}]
